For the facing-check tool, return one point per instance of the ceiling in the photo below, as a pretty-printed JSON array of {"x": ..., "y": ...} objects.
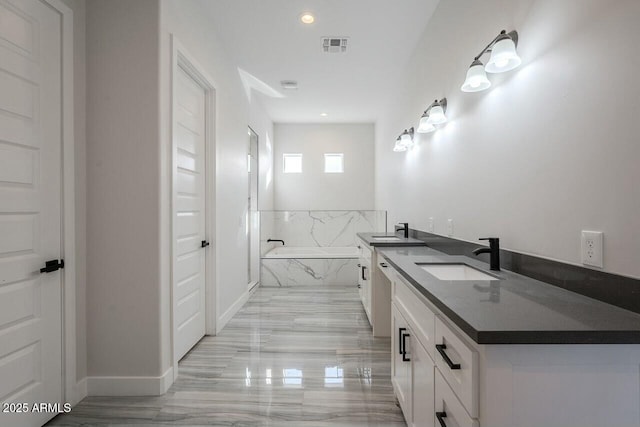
[{"x": 267, "y": 39}]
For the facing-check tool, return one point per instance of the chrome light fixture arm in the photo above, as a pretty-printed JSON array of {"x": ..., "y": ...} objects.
[{"x": 513, "y": 35}]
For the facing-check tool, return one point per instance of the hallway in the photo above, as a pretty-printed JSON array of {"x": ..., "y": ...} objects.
[{"x": 297, "y": 356}]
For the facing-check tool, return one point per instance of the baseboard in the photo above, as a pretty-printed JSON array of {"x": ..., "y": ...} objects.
[
  {"x": 130, "y": 386},
  {"x": 79, "y": 392},
  {"x": 235, "y": 307}
]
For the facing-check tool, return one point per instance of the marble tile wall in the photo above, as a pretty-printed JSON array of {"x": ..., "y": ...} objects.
[
  {"x": 318, "y": 228},
  {"x": 308, "y": 272}
]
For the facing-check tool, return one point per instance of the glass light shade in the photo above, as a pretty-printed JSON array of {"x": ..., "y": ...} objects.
[
  {"x": 436, "y": 115},
  {"x": 398, "y": 147},
  {"x": 405, "y": 140},
  {"x": 476, "y": 80},
  {"x": 503, "y": 57},
  {"x": 425, "y": 126}
]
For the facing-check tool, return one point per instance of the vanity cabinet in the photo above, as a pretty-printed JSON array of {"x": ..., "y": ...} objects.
[
  {"x": 374, "y": 288},
  {"x": 364, "y": 277},
  {"x": 442, "y": 378}
]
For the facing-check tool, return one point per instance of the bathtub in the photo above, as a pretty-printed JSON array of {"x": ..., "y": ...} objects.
[
  {"x": 286, "y": 266},
  {"x": 284, "y": 252}
]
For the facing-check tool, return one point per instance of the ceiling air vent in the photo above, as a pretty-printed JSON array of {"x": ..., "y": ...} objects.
[
  {"x": 289, "y": 84},
  {"x": 334, "y": 44}
]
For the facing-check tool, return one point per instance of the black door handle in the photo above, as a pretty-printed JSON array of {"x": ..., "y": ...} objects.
[
  {"x": 441, "y": 349},
  {"x": 204, "y": 244},
  {"x": 400, "y": 331},
  {"x": 404, "y": 348},
  {"x": 441, "y": 416},
  {"x": 51, "y": 266}
]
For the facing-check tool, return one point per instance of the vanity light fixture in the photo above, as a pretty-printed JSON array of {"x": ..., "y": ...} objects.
[
  {"x": 503, "y": 58},
  {"x": 433, "y": 115},
  {"x": 398, "y": 147},
  {"x": 406, "y": 138}
]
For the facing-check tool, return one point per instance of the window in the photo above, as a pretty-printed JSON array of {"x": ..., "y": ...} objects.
[
  {"x": 334, "y": 163},
  {"x": 292, "y": 163}
]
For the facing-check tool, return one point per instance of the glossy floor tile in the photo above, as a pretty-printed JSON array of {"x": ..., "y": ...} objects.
[{"x": 296, "y": 356}]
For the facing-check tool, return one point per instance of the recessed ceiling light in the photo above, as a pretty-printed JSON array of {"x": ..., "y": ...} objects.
[
  {"x": 323, "y": 114},
  {"x": 307, "y": 18}
]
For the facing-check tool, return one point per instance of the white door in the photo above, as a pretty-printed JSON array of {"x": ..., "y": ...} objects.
[
  {"x": 30, "y": 208},
  {"x": 190, "y": 243}
]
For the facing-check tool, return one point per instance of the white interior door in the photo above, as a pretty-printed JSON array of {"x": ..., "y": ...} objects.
[
  {"x": 30, "y": 208},
  {"x": 190, "y": 213}
]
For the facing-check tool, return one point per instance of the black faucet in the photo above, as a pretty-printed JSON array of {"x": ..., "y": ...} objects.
[
  {"x": 405, "y": 229},
  {"x": 493, "y": 250},
  {"x": 275, "y": 240}
]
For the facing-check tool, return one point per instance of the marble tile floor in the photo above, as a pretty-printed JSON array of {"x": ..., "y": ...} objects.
[{"x": 298, "y": 356}]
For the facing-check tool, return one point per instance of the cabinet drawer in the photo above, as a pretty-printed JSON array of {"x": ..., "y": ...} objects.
[
  {"x": 449, "y": 408},
  {"x": 419, "y": 316},
  {"x": 386, "y": 269},
  {"x": 461, "y": 370}
]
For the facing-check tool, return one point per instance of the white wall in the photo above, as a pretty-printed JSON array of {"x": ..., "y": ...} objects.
[
  {"x": 314, "y": 189},
  {"x": 551, "y": 149},
  {"x": 123, "y": 188}
]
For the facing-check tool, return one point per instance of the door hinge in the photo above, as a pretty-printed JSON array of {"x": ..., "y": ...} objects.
[
  {"x": 204, "y": 244},
  {"x": 51, "y": 266}
]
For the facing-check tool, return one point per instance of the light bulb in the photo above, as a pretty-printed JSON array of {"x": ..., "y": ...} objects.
[
  {"x": 503, "y": 56},
  {"x": 424, "y": 126},
  {"x": 436, "y": 115},
  {"x": 476, "y": 78}
]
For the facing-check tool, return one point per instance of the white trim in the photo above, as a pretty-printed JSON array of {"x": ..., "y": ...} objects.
[
  {"x": 69, "y": 338},
  {"x": 130, "y": 386},
  {"x": 181, "y": 58},
  {"x": 235, "y": 307},
  {"x": 79, "y": 392}
]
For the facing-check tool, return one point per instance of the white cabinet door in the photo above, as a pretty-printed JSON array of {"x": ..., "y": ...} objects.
[
  {"x": 30, "y": 208},
  {"x": 401, "y": 362},
  {"x": 422, "y": 373},
  {"x": 190, "y": 213}
]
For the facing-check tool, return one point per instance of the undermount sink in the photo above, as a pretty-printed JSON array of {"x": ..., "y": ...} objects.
[
  {"x": 455, "y": 272},
  {"x": 386, "y": 238}
]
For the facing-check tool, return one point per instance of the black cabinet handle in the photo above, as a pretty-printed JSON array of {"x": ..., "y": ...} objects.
[
  {"x": 441, "y": 349},
  {"x": 364, "y": 267},
  {"x": 441, "y": 416},
  {"x": 400, "y": 331},
  {"x": 383, "y": 265},
  {"x": 51, "y": 266},
  {"x": 204, "y": 244},
  {"x": 404, "y": 348}
]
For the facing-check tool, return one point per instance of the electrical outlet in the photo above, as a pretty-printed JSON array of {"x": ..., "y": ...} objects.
[
  {"x": 430, "y": 225},
  {"x": 592, "y": 248},
  {"x": 450, "y": 227}
]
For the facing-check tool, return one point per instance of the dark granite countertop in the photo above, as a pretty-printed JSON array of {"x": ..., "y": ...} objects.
[
  {"x": 368, "y": 238},
  {"x": 514, "y": 309}
]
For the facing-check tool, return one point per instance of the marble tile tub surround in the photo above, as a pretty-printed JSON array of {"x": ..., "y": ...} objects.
[
  {"x": 291, "y": 357},
  {"x": 610, "y": 288},
  {"x": 286, "y": 272},
  {"x": 514, "y": 309},
  {"x": 318, "y": 228}
]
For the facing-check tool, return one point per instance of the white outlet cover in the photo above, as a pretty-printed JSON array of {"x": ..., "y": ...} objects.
[
  {"x": 430, "y": 225},
  {"x": 450, "y": 227},
  {"x": 591, "y": 248}
]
